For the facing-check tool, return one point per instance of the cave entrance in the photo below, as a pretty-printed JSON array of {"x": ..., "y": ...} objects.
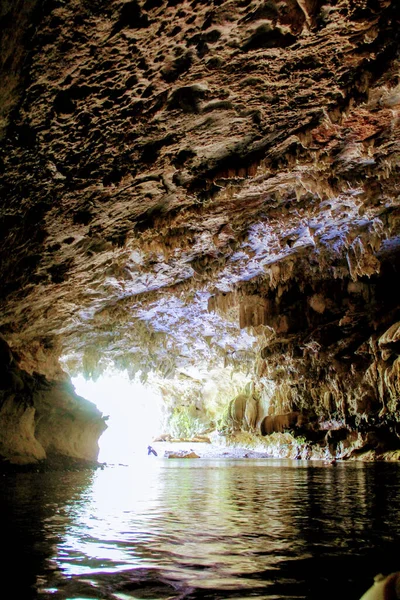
[{"x": 133, "y": 411}]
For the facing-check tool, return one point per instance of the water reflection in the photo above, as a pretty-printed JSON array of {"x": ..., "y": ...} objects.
[
  {"x": 34, "y": 514},
  {"x": 205, "y": 528}
]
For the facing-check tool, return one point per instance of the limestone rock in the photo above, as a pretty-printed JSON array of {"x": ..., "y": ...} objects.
[
  {"x": 41, "y": 418},
  {"x": 186, "y": 189},
  {"x": 181, "y": 454}
]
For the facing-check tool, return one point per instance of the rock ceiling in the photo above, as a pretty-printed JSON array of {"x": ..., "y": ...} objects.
[{"x": 187, "y": 182}]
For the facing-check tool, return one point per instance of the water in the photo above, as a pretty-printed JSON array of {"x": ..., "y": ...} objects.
[{"x": 191, "y": 529}]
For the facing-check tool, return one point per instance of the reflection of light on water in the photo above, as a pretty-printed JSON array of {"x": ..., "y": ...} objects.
[
  {"x": 111, "y": 528},
  {"x": 134, "y": 415},
  {"x": 105, "y": 536},
  {"x": 251, "y": 527},
  {"x": 191, "y": 521}
]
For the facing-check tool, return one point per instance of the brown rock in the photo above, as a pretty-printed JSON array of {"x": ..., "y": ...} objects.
[{"x": 214, "y": 190}]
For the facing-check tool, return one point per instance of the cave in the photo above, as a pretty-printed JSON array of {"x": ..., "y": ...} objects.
[{"x": 204, "y": 198}]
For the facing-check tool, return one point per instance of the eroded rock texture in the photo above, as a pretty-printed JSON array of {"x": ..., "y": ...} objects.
[
  {"x": 216, "y": 183},
  {"x": 43, "y": 419}
]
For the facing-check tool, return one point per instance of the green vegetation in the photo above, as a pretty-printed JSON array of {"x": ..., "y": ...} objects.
[{"x": 184, "y": 422}]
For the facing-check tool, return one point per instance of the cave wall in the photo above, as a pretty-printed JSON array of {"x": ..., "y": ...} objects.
[
  {"x": 18, "y": 20},
  {"x": 43, "y": 419},
  {"x": 329, "y": 352},
  {"x": 202, "y": 183}
]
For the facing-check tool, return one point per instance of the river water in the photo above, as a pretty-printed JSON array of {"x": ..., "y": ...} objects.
[{"x": 205, "y": 528}]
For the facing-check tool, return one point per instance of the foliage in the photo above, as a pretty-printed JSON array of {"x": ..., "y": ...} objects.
[
  {"x": 184, "y": 422},
  {"x": 223, "y": 420}
]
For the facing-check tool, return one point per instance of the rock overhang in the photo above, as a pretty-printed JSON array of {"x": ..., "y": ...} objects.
[{"x": 185, "y": 183}]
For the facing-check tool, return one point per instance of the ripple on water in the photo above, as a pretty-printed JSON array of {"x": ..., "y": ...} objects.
[{"x": 205, "y": 529}]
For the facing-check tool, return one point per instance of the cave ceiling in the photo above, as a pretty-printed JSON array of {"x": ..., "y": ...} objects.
[{"x": 188, "y": 183}]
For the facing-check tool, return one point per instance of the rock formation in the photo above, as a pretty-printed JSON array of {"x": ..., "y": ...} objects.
[
  {"x": 203, "y": 184},
  {"x": 237, "y": 409},
  {"x": 251, "y": 412},
  {"x": 42, "y": 419}
]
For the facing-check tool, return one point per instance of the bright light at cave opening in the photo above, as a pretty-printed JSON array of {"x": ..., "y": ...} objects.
[{"x": 134, "y": 415}]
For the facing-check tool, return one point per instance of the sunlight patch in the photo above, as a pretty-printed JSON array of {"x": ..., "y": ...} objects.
[{"x": 134, "y": 415}]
